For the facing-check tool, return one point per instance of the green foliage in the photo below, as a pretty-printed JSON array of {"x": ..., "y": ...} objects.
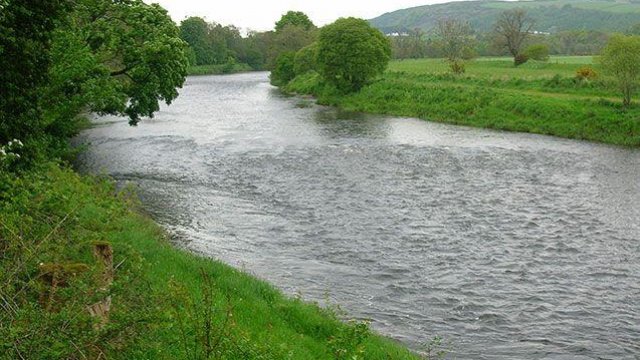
[
  {"x": 294, "y": 18},
  {"x": 348, "y": 344},
  {"x": 26, "y": 30},
  {"x": 538, "y": 52},
  {"x": 306, "y": 59},
  {"x": 140, "y": 57},
  {"x": 621, "y": 59},
  {"x": 290, "y": 39},
  {"x": 351, "y": 53},
  {"x": 284, "y": 69}
]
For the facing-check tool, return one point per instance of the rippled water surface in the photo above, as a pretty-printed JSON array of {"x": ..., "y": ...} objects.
[{"x": 507, "y": 245}]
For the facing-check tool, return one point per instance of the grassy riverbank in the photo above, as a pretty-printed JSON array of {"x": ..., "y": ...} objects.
[
  {"x": 542, "y": 98},
  {"x": 166, "y": 303}
]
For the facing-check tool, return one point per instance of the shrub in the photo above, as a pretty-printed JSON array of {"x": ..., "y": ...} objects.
[
  {"x": 351, "y": 53},
  {"x": 457, "y": 67},
  {"x": 539, "y": 52},
  {"x": 284, "y": 69},
  {"x": 306, "y": 59},
  {"x": 586, "y": 73},
  {"x": 521, "y": 59}
]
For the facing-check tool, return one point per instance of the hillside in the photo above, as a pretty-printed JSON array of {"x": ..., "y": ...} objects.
[{"x": 550, "y": 15}]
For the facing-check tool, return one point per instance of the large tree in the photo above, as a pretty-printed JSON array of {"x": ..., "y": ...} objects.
[
  {"x": 621, "y": 59},
  {"x": 456, "y": 42},
  {"x": 351, "y": 53},
  {"x": 512, "y": 29},
  {"x": 119, "y": 57}
]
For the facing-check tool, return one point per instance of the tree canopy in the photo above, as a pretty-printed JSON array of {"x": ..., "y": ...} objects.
[
  {"x": 621, "y": 59},
  {"x": 512, "y": 29},
  {"x": 294, "y": 18},
  {"x": 351, "y": 52}
]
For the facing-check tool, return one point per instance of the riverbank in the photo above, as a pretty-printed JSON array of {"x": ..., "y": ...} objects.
[
  {"x": 541, "y": 98},
  {"x": 165, "y": 303},
  {"x": 231, "y": 68}
]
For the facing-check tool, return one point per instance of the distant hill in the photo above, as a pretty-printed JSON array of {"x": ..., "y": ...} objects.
[{"x": 550, "y": 15}]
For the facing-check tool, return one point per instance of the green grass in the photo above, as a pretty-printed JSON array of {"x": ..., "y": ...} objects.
[
  {"x": 538, "y": 97},
  {"x": 160, "y": 294}
]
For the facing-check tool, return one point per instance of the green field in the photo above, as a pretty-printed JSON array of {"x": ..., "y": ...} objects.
[{"x": 538, "y": 97}]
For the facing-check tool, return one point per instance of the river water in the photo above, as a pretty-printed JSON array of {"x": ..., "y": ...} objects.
[{"x": 506, "y": 245}]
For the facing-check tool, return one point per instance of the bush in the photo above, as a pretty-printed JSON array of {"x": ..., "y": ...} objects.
[
  {"x": 457, "y": 67},
  {"x": 284, "y": 69},
  {"x": 351, "y": 53},
  {"x": 586, "y": 73},
  {"x": 306, "y": 59},
  {"x": 539, "y": 52},
  {"x": 521, "y": 59}
]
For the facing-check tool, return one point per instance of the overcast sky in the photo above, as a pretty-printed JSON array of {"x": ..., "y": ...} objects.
[{"x": 262, "y": 14}]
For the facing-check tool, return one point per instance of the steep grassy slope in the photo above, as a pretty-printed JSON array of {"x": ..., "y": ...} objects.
[{"x": 550, "y": 15}]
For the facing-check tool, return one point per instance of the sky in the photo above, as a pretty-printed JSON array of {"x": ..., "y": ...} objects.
[{"x": 261, "y": 15}]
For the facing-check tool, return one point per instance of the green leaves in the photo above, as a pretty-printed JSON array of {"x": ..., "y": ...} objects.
[
  {"x": 621, "y": 59},
  {"x": 351, "y": 53}
]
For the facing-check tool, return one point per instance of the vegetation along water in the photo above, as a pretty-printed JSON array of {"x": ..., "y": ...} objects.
[{"x": 86, "y": 274}]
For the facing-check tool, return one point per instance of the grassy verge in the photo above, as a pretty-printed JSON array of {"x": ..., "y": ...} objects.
[
  {"x": 165, "y": 303},
  {"x": 542, "y": 98},
  {"x": 230, "y": 68}
]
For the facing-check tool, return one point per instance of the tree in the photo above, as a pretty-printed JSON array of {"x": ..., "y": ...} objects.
[
  {"x": 306, "y": 59},
  {"x": 294, "y": 18},
  {"x": 284, "y": 71},
  {"x": 195, "y": 31},
  {"x": 351, "y": 52},
  {"x": 456, "y": 41},
  {"x": 126, "y": 57},
  {"x": 621, "y": 59},
  {"x": 26, "y": 32},
  {"x": 512, "y": 29},
  {"x": 290, "y": 39}
]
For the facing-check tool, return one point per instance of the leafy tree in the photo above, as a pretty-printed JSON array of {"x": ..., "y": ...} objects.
[
  {"x": 456, "y": 41},
  {"x": 621, "y": 59},
  {"x": 284, "y": 71},
  {"x": 306, "y": 59},
  {"x": 351, "y": 52},
  {"x": 26, "y": 30},
  {"x": 289, "y": 39},
  {"x": 126, "y": 57},
  {"x": 195, "y": 31},
  {"x": 512, "y": 29},
  {"x": 539, "y": 52},
  {"x": 294, "y": 18}
]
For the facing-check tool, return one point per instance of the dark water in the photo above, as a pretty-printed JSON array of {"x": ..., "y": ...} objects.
[{"x": 507, "y": 245}]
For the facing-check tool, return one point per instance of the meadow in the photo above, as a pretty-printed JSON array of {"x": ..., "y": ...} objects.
[{"x": 538, "y": 97}]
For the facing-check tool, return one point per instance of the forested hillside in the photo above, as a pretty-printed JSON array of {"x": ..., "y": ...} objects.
[{"x": 550, "y": 15}]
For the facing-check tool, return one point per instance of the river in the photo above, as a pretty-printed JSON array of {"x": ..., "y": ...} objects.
[{"x": 507, "y": 245}]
